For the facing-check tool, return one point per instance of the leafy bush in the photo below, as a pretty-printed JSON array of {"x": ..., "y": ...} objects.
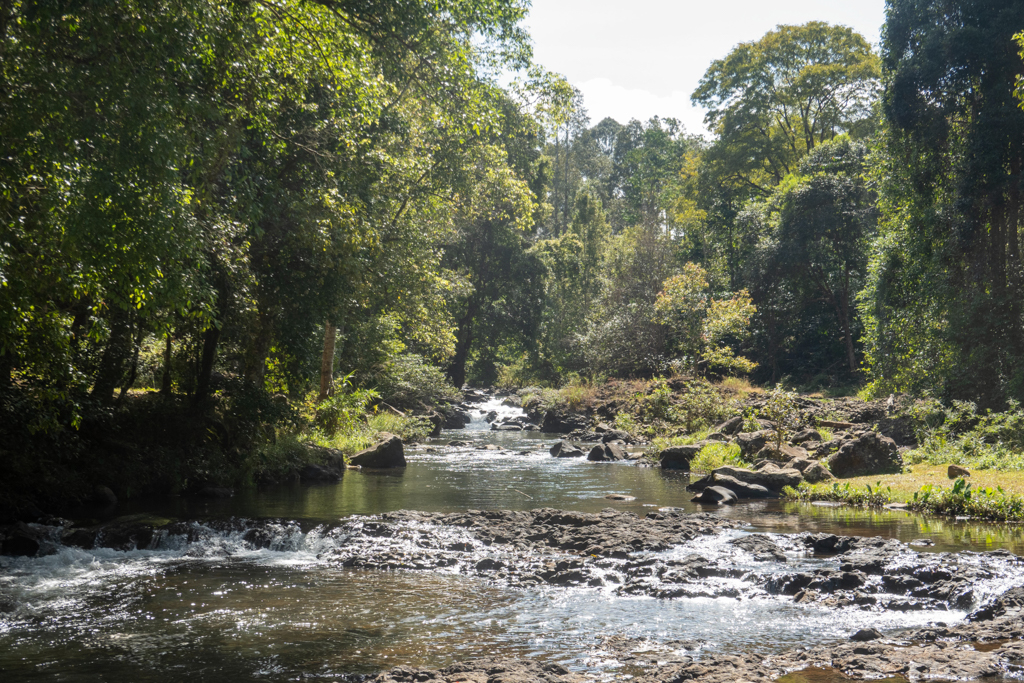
[
  {"x": 408, "y": 379},
  {"x": 701, "y": 405},
  {"x": 958, "y": 434},
  {"x": 780, "y": 409},
  {"x": 717, "y": 455}
]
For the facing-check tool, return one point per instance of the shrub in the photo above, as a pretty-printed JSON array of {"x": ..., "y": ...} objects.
[
  {"x": 780, "y": 409},
  {"x": 717, "y": 455}
]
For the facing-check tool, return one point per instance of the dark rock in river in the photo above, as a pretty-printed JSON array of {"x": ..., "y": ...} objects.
[
  {"x": 715, "y": 495},
  {"x": 760, "y": 546},
  {"x": 564, "y": 449},
  {"x": 606, "y": 452},
  {"x": 557, "y": 421},
  {"x": 678, "y": 457},
  {"x": 485, "y": 671},
  {"x": 386, "y": 454},
  {"x": 21, "y": 540},
  {"x": 867, "y": 455},
  {"x": 312, "y": 472},
  {"x": 770, "y": 477}
]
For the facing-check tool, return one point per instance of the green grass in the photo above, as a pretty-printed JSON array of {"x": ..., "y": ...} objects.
[
  {"x": 716, "y": 455},
  {"x": 987, "y": 494}
]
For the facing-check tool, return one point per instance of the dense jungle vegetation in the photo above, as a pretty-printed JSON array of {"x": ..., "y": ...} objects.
[{"x": 228, "y": 222}]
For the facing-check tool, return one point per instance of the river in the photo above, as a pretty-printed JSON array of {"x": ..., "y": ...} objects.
[{"x": 213, "y": 606}]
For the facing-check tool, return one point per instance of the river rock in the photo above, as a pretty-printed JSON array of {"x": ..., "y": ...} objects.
[
  {"x": 21, "y": 540},
  {"x": 715, "y": 495},
  {"x": 312, "y": 472},
  {"x": 742, "y": 489},
  {"x": 752, "y": 442},
  {"x": 869, "y": 454},
  {"x": 771, "y": 477},
  {"x": 507, "y": 427},
  {"x": 491, "y": 416},
  {"x": 678, "y": 457},
  {"x": 457, "y": 419},
  {"x": 761, "y": 547},
  {"x": 805, "y": 435},
  {"x": 565, "y": 449},
  {"x": 389, "y": 453},
  {"x": 616, "y": 435},
  {"x": 606, "y": 452},
  {"x": 866, "y": 634},
  {"x": 731, "y": 426},
  {"x": 558, "y": 422}
]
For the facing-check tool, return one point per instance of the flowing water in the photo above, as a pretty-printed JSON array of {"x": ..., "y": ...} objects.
[{"x": 208, "y": 604}]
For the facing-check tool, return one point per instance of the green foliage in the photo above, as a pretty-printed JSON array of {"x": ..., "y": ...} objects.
[
  {"x": 962, "y": 499},
  {"x": 942, "y": 305},
  {"x": 959, "y": 434},
  {"x": 344, "y": 409},
  {"x": 780, "y": 408},
  {"x": 408, "y": 380},
  {"x": 717, "y": 455}
]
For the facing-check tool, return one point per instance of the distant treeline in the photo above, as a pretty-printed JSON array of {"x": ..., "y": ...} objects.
[{"x": 268, "y": 195}]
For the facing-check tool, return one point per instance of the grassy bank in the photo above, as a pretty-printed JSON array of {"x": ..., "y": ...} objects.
[{"x": 986, "y": 494}]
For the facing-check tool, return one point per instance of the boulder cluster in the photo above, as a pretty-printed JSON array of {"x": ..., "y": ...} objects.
[{"x": 854, "y": 450}]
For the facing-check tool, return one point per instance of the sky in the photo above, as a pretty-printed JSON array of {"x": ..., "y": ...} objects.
[{"x": 641, "y": 58}]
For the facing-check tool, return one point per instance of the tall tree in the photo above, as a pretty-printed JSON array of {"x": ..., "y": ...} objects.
[{"x": 944, "y": 300}]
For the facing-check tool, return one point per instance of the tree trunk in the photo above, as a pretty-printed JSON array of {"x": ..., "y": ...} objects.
[
  {"x": 165, "y": 384},
  {"x": 112, "y": 363},
  {"x": 463, "y": 344},
  {"x": 256, "y": 354},
  {"x": 847, "y": 323},
  {"x": 327, "y": 362}
]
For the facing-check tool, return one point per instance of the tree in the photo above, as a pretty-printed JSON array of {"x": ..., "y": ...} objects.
[
  {"x": 773, "y": 100},
  {"x": 943, "y": 300},
  {"x": 700, "y": 324},
  {"x": 827, "y": 219}
]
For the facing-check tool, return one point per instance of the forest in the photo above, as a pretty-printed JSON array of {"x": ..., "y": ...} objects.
[{"x": 232, "y": 228}]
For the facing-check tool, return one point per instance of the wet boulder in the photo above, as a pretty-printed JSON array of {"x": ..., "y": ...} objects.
[
  {"x": 388, "y": 453},
  {"x": 742, "y": 489},
  {"x": 715, "y": 495},
  {"x": 616, "y": 435},
  {"x": 457, "y": 419},
  {"x": 317, "y": 473},
  {"x": 565, "y": 449},
  {"x": 1009, "y": 604},
  {"x": 20, "y": 540},
  {"x": 869, "y": 454},
  {"x": 606, "y": 452},
  {"x": 760, "y": 546},
  {"x": 679, "y": 457},
  {"x": 771, "y": 477}
]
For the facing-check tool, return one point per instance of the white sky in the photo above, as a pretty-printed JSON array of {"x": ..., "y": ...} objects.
[{"x": 641, "y": 58}]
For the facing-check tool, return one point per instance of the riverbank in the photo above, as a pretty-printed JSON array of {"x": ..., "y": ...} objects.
[{"x": 984, "y": 494}]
